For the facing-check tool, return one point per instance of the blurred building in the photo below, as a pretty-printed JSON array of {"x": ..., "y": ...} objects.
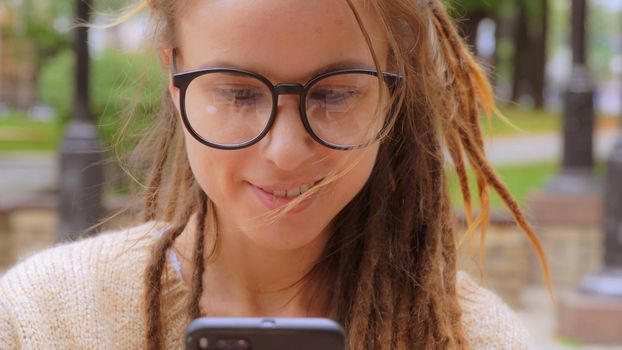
[{"x": 17, "y": 74}]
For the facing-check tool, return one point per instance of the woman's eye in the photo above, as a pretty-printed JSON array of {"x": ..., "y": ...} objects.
[
  {"x": 239, "y": 97},
  {"x": 333, "y": 96}
]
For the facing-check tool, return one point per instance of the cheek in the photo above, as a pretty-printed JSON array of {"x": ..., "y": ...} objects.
[
  {"x": 209, "y": 167},
  {"x": 199, "y": 163},
  {"x": 349, "y": 185}
]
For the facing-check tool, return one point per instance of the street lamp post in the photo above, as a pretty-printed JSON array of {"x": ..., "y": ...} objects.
[
  {"x": 576, "y": 176},
  {"x": 609, "y": 281},
  {"x": 81, "y": 174},
  {"x": 613, "y": 206}
]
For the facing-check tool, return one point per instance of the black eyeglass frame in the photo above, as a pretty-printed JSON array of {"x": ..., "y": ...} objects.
[{"x": 182, "y": 80}]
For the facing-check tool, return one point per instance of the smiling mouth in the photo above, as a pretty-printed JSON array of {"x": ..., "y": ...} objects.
[{"x": 291, "y": 192}]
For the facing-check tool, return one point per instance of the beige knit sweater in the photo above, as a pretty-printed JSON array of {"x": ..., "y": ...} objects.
[{"x": 88, "y": 295}]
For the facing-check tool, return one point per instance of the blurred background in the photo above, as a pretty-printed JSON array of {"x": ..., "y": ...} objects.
[{"x": 556, "y": 66}]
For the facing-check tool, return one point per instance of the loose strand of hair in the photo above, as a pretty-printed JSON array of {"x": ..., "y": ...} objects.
[
  {"x": 155, "y": 177},
  {"x": 188, "y": 198}
]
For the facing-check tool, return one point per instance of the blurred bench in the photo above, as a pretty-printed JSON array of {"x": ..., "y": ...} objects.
[
  {"x": 29, "y": 223},
  {"x": 11, "y": 205},
  {"x": 27, "y": 202}
]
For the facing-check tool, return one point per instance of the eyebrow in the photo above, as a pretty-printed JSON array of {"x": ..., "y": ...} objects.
[{"x": 345, "y": 64}]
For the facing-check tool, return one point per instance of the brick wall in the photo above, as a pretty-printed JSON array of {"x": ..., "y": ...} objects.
[
  {"x": 25, "y": 232},
  {"x": 506, "y": 266}
]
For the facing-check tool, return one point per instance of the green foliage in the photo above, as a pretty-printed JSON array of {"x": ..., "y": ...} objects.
[
  {"x": 123, "y": 85},
  {"x": 603, "y": 27},
  {"x": 126, "y": 85},
  {"x": 462, "y": 8},
  {"x": 521, "y": 179},
  {"x": 528, "y": 122},
  {"x": 18, "y": 132},
  {"x": 56, "y": 74},
  {"x": 46, "y": 39},
  {"x": 35, "y": 24}
]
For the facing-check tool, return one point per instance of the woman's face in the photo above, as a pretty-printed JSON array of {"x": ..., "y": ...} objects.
[{"x": 285, "y": 41}]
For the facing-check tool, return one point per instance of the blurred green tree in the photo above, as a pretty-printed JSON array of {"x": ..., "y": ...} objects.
[
  {"x": 125, "y": 88},
  {"x": 530, "y": 50},
  {"x": 471, "y": 12},
  {"x": 40, "y": 23},
  {"x": 45, "y": 26}
]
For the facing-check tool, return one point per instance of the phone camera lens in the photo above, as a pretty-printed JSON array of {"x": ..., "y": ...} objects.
[{"x": 243, "y": 344}]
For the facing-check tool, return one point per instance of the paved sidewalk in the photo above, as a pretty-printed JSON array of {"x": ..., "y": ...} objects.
[
  {"x": 541, "y": 147},
  {"x": 23, "y": 173}
]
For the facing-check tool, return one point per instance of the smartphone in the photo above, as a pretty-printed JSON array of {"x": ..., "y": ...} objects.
[{"x": 257, "y": 333}]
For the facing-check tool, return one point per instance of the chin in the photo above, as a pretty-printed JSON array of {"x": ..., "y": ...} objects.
[{"x": 284, "y": 239}]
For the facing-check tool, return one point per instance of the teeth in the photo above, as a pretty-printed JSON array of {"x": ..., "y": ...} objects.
[
  {"x": 292, "y": 192},
  {"x": 304, "y": 188}
]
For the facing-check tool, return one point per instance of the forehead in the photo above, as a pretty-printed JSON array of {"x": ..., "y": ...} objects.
[{"x": 279, "y": 38}]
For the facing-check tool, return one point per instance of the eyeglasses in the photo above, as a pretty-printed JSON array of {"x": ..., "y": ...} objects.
[{"x": 228, "y": 108}]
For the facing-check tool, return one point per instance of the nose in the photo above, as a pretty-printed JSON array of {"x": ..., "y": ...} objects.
[{"x": 288, "y": 145}]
